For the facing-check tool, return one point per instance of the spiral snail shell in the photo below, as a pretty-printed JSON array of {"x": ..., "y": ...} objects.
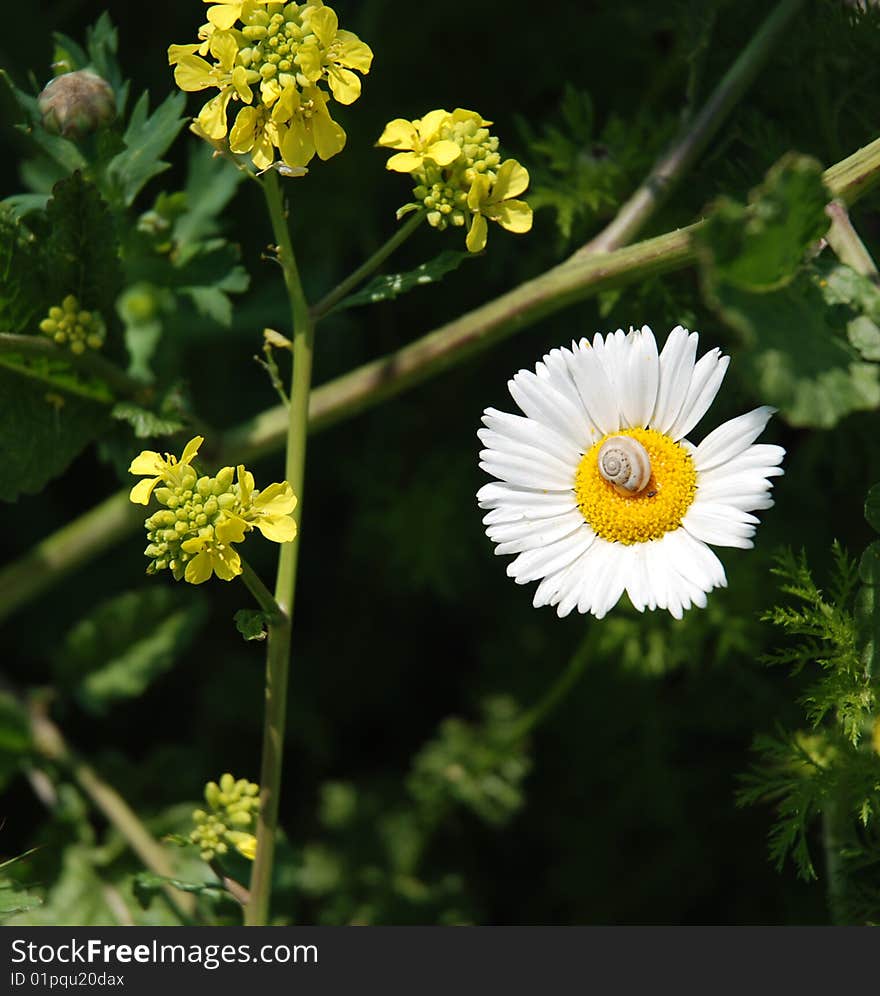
[{"x": 625, "y": 464}]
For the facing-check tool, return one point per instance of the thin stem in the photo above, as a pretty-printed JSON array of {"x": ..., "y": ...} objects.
[
  {"x": 573, "y": 280},
  {"x": 831, "y": 842},
  {"x": 688, "y": 147},
  {"x": 50, "y": 742},
  {"x": 278, "y": 649},
  {"x": 846, "y": 244},
  {"x": 89, "y": 363},
  {"x": 235, "y": 889},
  {"x": 373, "y": 263},
  {"x": 261, "y": 593},
  {"x": 554, "y": 694}
]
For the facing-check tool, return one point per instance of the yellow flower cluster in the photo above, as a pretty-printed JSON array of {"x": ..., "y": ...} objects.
[
  {"x": 193, "y": 534},
  {"x": 232, "y": 806},
  {"x": 68, "y": 325},
  {"x": 272, "y": 58},
  {"x": 459, "y": 176}
]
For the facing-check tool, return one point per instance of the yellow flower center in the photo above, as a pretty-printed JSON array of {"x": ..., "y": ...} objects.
[{"x": 654, "y": 511}]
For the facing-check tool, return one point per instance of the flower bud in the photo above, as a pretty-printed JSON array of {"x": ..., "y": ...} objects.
[{"x": 75, "y": 104}]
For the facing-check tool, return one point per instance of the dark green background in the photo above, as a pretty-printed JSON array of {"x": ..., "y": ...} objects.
[{"x": 404, "y": 616}]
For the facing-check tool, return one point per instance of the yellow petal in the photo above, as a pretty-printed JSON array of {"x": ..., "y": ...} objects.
[
  {"x": 147, "y": 462},
  {"x": 224, "y": 49},
  {"x": 227, "y": 564},
  {"x": 223, "y": 16},
  {"x": 199, "y": 569},
  {"x": 241, "y": 136},
  {"x": 515, "y": 216},
  {"x": 352, "y": 52},
  {"x": 328, "y": 136},
  {"x": 430, "y": 124},
  {"x": 297, "y": 147},
  {"x": 239, "y": 81},
  {"x": 324, "y": 23},
  {"x": 277, "y": 528},
  {"x": 245, "y": 484},
  {"x": 444, "y": 152},
  {"x": 277, "y": 499},
  {"x": 404, "y": 162},
  {"x": 231, "y": 529},
  {"x": 399, "y": 134},
  {"x": 476, "y": 237},
  {"x": 478, "y": 193},
  {"x": 511, "y": 180},
  {"x": 310, "y": 62},
  {"x": 462, "y": 114},
  {"x": 212, "y": 117},
  {"x": 193, "y": 73},
  {"x": 140, "y": 493},
  {"x": 346, "y": 87},
  {"x": 177, "y": 52},
  {"x": 191, "y": 448}
]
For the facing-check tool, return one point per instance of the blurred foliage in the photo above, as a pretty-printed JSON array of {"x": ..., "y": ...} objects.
[{"x": 620, "y": 808}]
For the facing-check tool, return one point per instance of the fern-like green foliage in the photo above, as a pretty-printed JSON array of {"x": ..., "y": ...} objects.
[{"x": 831, "y": 770}]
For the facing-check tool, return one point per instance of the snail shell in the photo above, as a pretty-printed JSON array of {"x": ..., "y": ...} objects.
[{"x": 625, "y": 464}]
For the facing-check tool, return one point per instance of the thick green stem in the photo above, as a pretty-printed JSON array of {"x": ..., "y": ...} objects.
[
  {"x": 278, "y": 650},
  {"x": 575, "y": 279},
  {"x": 554, "y": 694},
  {"x": 832, "y": 843},
  {"x": 373, "y": 263},
  {"x": 687, "y": 148}
]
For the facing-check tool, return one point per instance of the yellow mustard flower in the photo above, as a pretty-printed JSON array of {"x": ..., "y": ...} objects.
[
  {"x": 159, "y": 469},
  {"x": 257, "y": 132},
  {"x": 334, "y": 54},
  {"x": 495, "y": 201},
  {"x": 310, "y": 128},
  {"x": 420, "y": 140},
  {"x": 193, "y": 533}
]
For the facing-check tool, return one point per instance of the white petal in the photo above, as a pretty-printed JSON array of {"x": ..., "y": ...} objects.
[
  {"x": 522, "y": 503},
  {"x": 731, "y": 438},
  {"x": 707, "y": 377},
  {"x": 542, "y": 402},
  {"x": 527, "y": 430},
  {"x": 676, "y": 371},
  {"x": 595, "y": 389},
  {"x": 534, "y": 564},
  {"x": 516, "y": 537},
  {"x": 639, "y": 386},
  {"x": 718, "y": 530},
  {"x": 555, "y": 368},
  {"x": 525, "y": 472},
  {"x": 505, "y": 447},
  {"x": 760, "y": 458}
]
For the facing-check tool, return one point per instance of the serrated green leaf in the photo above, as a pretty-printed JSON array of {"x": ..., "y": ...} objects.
[
  {"x": 22, "y": 275},
  {"x": 42, "y": 432},
  {"x": 865, "y": 337},
  {"x": 251, "y": 623},
  {"x": 147, "y": 138},
  {"x": 80, "y": 247},
  {"x": 796, "y": 357},
  {"x": 145, "y": 423},
  {"x": 386, "y": 288},
  {"x": 127, "y": 642},
  {"x": 872, "y": 508},
  {"x": 760, "y": 246}
]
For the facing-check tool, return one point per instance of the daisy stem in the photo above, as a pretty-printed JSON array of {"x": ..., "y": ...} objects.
[
  {"x": 557, "y": 691},
  {"x": 373, "y": 263},
  {"x": 278, "y": 649}
]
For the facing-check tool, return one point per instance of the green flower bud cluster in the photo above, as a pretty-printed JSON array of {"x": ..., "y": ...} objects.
[
  {"x": 194, "y": 506},
  {"x": 233, "y": 806},
  {"x": 443, "y": 191},
  {"x": 75, "y": 104},
  {"x": 69, "y": 326},
  {"x": 276, "y": 41}
]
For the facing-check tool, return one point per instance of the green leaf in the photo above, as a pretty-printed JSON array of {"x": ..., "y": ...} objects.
[
  {"x": 865, "y": 337},
  {"x": 145, "y": 423},
  {"x": 145, "y": 885},
  {"x": 760, "y": 246},
  {"x": 127, "y": 642},
  {"x": 386, "y": 288},
  {"x": 795, "y": 355},
  {"x": 15, "y": 737},
  {"x": 147, "y": 138},
  {"x": 81, "y": 250},
  {"x": 872, "y": 508},
  {"x": 251, "y": 623},
  {"x": 43, "y": 431},
  {"x": 22, "y": 287},
  {"x": 210, "y": 185}
]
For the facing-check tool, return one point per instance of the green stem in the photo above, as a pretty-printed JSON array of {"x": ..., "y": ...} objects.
[
  {"x": 89, "y": 362},
  {"x": 278, "y": 649},
  {"x": 573, "y": 280},
  {"x": 373, "y": 263},
  {"x": 554, "y": 695},
  {"x": 688, "y": 147},
  {"x": 261, "y": 593},
  {"x": 832, "y": 843},
  {"x": 846, "y": 244}
]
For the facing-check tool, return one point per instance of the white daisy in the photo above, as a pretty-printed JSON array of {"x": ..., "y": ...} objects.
[{"x": 598, "y": 490}]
